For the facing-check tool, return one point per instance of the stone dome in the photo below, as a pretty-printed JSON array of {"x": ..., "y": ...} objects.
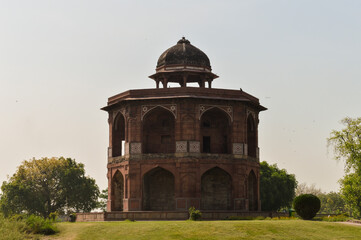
[{"x": 183, "y": 53}]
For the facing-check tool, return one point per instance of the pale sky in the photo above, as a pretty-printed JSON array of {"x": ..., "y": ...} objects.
[{"x": 61, "y": 60}]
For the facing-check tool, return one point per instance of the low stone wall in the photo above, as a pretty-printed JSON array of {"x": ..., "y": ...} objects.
[
  {"x": 168, "y": 215},
  {"x": 90, "y": 217}
]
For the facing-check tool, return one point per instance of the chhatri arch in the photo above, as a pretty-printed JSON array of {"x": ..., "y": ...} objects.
[{"x": 189, "y": 145}]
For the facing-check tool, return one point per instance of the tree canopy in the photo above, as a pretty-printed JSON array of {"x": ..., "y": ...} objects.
[
  {"x": 277, "y": 187},
  {"x": 347, "y": 146},
  {"x": 42, "y": 186}
]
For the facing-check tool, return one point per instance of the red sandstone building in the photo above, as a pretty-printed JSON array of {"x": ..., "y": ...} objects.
[{"x": 173, "y": 148}]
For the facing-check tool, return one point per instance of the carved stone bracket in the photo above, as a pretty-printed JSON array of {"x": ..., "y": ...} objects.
[
  {"x": 227, "y": 109},
  {"x": 170, "y": 107}
]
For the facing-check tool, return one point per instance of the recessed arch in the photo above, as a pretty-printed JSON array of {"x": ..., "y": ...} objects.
[
  {"x": 226, "y": 109},
  {"x": 159, "y": 131},
  {"x": 118, "y": 135},
  {"x": 215, "y": 131},
  {"x": 117, "y": 197},
  {"x": 252, "y": 192},
  {"x": 251, "y": 136},
  {"x": 216, "y": 190},
  {"x": 148, "y": 109},
  {"x": 158, "y": 190}
]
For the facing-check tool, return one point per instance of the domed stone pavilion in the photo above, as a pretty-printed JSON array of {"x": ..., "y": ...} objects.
[{"x": 171, "y": 148}]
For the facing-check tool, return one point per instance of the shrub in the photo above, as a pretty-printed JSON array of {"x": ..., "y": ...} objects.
[
  {"x": 194, "y": 214},
  {"x": 39, "y": 225},
  {"x": 72, "y": 217},
  {"x": 53, "y": 216},
  {"x": 307, "y": 205}
]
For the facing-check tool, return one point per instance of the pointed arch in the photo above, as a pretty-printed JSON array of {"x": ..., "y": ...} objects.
[
  {"x": 216, "y": 190},
  {"x": 158, "y": 190},
  {"x": 215, "y": 131},
  {"x": 118, "y": 135},
  {"x": 159, "y": 131},
  {"x": 251, "y": 136},
  {"x": 117, "y": 191},
  {"x": 252, "y": 192}
]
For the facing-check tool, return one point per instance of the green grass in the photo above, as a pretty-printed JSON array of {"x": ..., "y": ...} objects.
[
  {"x": 257, "y": 229},
  {"x": 13, "y": 230}
]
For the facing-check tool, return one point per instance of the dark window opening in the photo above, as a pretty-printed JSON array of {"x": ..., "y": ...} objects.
[{"x": 206, "y": 144}]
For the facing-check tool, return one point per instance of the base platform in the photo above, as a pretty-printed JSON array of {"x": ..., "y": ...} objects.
[{"x": 168, "y": 215}]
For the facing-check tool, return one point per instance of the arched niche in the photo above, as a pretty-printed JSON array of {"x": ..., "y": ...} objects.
[
  {"x": 251, "y": 136},
  {"x": 216, "y": 190},
  {"x": 158, "y": 190},
  {"x": 158, "y": 131},
  {"x": 118, "y": 135},
  {"x": 215, "y": 131},
  {"x": 252, "y": 191},
  {"x": 117, "y": 191}
]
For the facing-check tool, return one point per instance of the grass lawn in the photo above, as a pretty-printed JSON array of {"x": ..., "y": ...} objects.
[{"x": 262, "y": 229}]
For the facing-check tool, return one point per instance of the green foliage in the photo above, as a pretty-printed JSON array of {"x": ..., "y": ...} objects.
[
  {"x": 72, "y": 217},
  {"x": 332, "y": 203},
  {"x": 277, "y": 187},
  {"x": 53, "y": 216},
  {"x": 103, "y": 200},
  {"x": 307, "y": 205},
  {"x": 347, "y": 146},
  {"x": 12, "y": 229},
  {"x": 194, "y": 214},
  {"x": 47, "y": 185},
  {"x": 337, "y": 218},
  {"x": 39, "y": 225},
  {"x": 351, "y": 191}
]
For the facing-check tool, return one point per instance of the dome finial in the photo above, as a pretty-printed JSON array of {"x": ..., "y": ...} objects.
[{"x": 184, "y": 40}]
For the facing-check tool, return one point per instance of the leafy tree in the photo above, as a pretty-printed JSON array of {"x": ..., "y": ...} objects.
[
  {"x": 47, "y": 185},
  {"x": 347, "y": 146},
  {"x": 277, "y": 187},
  {"x": 103, "y": 200},
  {"x": 332, "y": 202},
  {"x": 351, "y": 191},
  {"x": 303, "y": 188}
]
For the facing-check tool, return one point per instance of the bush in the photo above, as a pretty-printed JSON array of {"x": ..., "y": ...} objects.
[
  {"x": 72, "y": 217},
  {"x": 39, "y": 225},
  {"x": 194, "y": 214},
  {"x": 307, "y": 205},
  {"x": 53, "y": 216}
]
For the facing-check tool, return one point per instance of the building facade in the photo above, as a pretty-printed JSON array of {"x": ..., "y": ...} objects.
[{"x": 171, "y": 148}]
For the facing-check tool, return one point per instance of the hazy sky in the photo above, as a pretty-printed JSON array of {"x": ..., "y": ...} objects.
[{"x": 61, "y": 60}]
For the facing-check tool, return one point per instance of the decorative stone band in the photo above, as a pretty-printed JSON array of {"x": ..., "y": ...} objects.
[
  {"x": 170, "y": 107},
  {"x": 110, "y": 153},
  {"x": 126, "y": 148},
  {"x": 194, "y": 146},
  {"x": 181, "y": 146},
  {"x": 238, "y": 148},
  {"x": 135, "y": 148}
]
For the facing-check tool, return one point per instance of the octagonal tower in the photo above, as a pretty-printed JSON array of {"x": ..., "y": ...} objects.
[{"x": 173, "y": 148}]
